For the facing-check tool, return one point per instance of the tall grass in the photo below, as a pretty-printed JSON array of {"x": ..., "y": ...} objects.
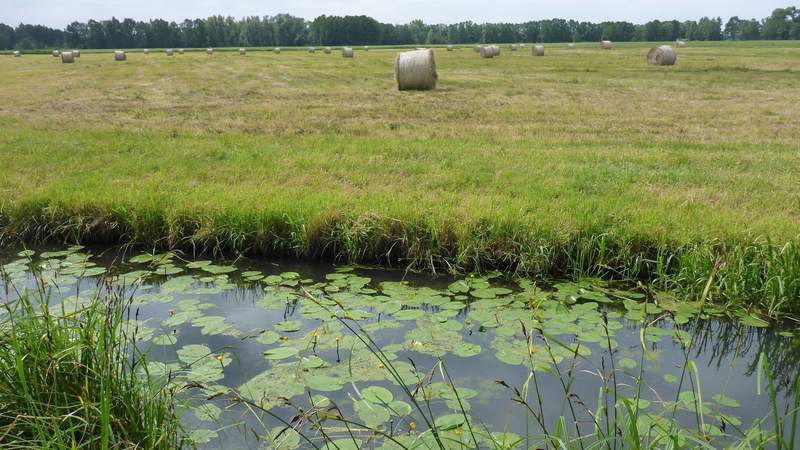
[
  {"x": 755, "y": 273},
  {"x": 74, "y": 379}
]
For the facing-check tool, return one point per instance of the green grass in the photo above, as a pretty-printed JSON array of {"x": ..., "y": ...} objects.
[
  {"x": 70, "y": 380},
  {"x": 581, "y": 163}
]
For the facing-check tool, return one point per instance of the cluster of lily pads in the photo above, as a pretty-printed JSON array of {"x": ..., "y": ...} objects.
[{"x": 331, "y": 339}]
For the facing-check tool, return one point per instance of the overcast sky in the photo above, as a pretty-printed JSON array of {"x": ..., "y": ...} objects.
[{"x": 58, "y": 13}]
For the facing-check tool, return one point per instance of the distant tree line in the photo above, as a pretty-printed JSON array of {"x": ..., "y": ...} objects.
[{"x": 287, "y": 30}]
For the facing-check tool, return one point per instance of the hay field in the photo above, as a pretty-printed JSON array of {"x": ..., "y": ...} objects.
[{"x": 584, "y": 162}]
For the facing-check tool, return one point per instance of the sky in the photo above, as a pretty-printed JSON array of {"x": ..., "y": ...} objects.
[{"x": 59, "y": 13}]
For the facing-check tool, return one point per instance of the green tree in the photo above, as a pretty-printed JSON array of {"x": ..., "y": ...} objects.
[{"x": 7, "y": 37}]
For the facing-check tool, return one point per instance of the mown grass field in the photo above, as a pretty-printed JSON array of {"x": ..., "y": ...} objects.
[{"x": 584, "y": 162}]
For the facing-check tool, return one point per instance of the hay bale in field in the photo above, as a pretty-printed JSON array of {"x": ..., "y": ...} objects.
[
  {"x": 67, "y": 57},
  {"x": 515, "y": 47},
  {"x": 17, "y": 54},
  {"x": 662, "y": 56},
  {"x": 487, "y": 52},
  {"x": 680, "y": 43},
  {"x": 327, "y": 50},
  {"x": 496, "y": 50},
  {"x": 56, "y": 53},
  {"x": 537, "y": 50},
  {"x": 276, "y": 50},
  {"x": 76, "y": 53},
  {"x": 570, "y": 45},
  {"x": 242, "y": 51},
  {"x": 146, "y": 51},
  {"x": 311, "y": 50},
  {"x": 209, "y": 51},
  {"x": 119, "y": 55},
  {"x": 477, "y": 48},
  {"x": 366, "y": 48},
  {"x": 169, "y": 52},
  {"x": 449, "y": 48},
  {"x": 181, "y": 51},
  {"x": 415, "y": 70},
  {"x": 606, "y": 45},
  {"x": 347, "y": 52}
]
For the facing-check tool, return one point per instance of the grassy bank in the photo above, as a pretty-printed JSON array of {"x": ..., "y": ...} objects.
[
  {"x": 581, "y": 163},
  {"x": 68, "y": 380}
]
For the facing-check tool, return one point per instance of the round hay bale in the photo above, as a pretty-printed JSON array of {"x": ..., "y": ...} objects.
[
  {"x": 169, "y": 52},
  {"x": 496, "y": 50},
  {"x": 17, "y": 54},
  {"x": 449, "y": 48},
  {"x": 487, "y": 52},
  {"x": 570, "y": 45},
  {"x": 76, "y": 53},
  {"x": 311, "y": 50},
  {"x": 415, "y": 70},
  {"x": 242, "y": 51},
  {"x": 662, "y": 56},
  {"x": 119, "y": 55},
  {"x": 67, "y": 57},
  {"x": 327, "y": 50},
  {"x": 209, "y": 51},
  {"x": 680, "y": 43},
  {"x": 276, "y": 50},
  {"x": 181, "y": 51},
  {"x": 146, "y": 51},
  {"x": 347, "y": 52},
  {"x": 56, "y": 53},
  {"x": 477, "y": 48},
  {"x": 366, "y": 48},
  {"x": 515, "y": 47},
  {"x": 537, "y": 50},
  {"x": 606, "y": 45}
]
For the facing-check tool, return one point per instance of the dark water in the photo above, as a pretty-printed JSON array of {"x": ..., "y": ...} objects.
[{"x": 478, "y": 330}]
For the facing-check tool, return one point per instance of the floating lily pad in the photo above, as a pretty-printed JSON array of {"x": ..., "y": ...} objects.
[{"x": 280, "y": 353}]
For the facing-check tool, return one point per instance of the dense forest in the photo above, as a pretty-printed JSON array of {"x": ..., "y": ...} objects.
[{"x": 287, "y": 30}]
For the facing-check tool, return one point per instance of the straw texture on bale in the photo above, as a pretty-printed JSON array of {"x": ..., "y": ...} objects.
[
  {"x": 477, "y": 48},
  {"x": 449, "y": 48},
  {"x": 210, "y": 51},
  {"x": 662, "y": 56},
  {"x": 311, "y": 50},
  {"x": 242, "y": 51},
  {"x": 146, "y": 51},
  {"x": 119, "y": 55},
  {"x": 67, "y": 58},
  {"x": 570, "y": 45},
  {"x": 76, "y": 53},
  {"x": 276, "y": 50},
  {"x": 17, "y": 54},
  {"x": 327, "y": 50},
  {"x": 169, "y": 52},
  {"x": 416, "y": 70},
  {"x": 606, "y": 45},
  {"x": 515, "y": 47},
  {"x": 680, "y": 44},
  {"x": 538, "y": 50},
  {"x": 56, "y": 53},
  {"x": 347, "y": 52},
  {"x": 181, "y": 51},
  {"x": 366, "y": 48},
  {"x": 496, "y": 50},
  {"x": 487, "y": 52}
]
